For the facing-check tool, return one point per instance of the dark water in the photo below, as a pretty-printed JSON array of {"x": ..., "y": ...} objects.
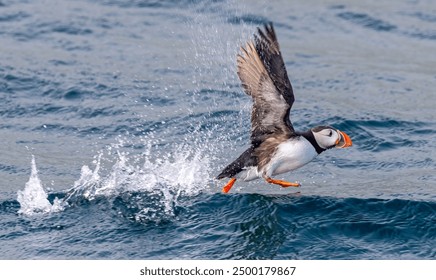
[{"x": 117, "y": 115}]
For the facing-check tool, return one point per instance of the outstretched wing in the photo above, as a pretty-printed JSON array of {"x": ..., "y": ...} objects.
[{"x": 264, "y": 77}]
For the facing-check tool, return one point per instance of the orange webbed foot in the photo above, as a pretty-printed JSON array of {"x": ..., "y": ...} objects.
[
  {"x": 229, "y": 185},
  {"x": 282, "y": 183}
]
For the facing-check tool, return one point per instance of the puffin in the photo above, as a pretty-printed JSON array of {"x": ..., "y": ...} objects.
[{"x": 276, "y": 147}]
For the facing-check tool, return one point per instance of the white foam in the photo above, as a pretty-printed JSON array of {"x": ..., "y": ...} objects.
[
  {"x": 171, "y": 168},
  {"x": 34, "y": 199},
  {"x": 182, "y": 172}
]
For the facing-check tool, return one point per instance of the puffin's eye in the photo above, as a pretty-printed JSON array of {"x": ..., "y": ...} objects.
[{"x": 330, "y": 133}]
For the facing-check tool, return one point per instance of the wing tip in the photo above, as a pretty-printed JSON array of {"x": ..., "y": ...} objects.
[{"x": 269, "y": 34}]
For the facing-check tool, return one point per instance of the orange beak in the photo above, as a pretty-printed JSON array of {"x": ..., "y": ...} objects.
[{"x": 344, "y": 140}]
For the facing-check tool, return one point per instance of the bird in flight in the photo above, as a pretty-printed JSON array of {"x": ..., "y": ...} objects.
[{"x": 275, "y": 147}]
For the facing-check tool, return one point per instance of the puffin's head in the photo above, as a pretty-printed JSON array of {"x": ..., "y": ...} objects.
[{"x": 327, "y": 137}]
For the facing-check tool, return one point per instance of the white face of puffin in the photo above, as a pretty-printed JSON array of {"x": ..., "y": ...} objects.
[{"x": 328, "y": 137}]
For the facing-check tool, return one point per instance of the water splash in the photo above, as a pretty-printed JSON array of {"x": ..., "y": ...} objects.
[
  {"x": 172, "y": 164},
  {"x": 34, "y": 199},
  {"x": 149, "y": 191},
  {"x": 184, "y": 170}
]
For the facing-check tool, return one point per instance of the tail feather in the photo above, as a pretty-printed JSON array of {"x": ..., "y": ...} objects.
[{"x": 246, "y": 159}]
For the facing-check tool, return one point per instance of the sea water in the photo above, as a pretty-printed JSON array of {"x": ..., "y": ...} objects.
[{"x": 116, "y": 116}]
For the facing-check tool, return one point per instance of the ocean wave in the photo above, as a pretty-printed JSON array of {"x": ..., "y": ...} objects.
[
  {"x": 248, "y": 19},
  {"x": 132, "y": 108},
  {"x": 381, "y": 134},
  {"x": 249, "y": 226},
  {"x": 425, "y": 16},
  {"x": 167, "y": 197},
  {"x": 367, "y": 21}
]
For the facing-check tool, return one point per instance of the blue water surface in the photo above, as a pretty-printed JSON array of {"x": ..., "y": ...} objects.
[{"x": 116, "y": 116}]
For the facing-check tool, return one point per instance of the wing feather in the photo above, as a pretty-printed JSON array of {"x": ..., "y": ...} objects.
[{"x": 263, "y": 75}]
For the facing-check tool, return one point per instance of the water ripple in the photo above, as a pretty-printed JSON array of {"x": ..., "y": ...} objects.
[
  {"x": 248, "y": 19},
  {"x": 149, "y": 89},
  {"x": 367, "y": 21},
  {"x": 385, "y": 134},
  {"x": 249, "y": 227}
]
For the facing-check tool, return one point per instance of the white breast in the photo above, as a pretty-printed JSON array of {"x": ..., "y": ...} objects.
[{"x": 290, "y": 155}]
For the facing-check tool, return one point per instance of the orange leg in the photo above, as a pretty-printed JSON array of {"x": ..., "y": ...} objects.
[
  {"x": 281, "y": 183},
  {"x": 229, "y": 185}
]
